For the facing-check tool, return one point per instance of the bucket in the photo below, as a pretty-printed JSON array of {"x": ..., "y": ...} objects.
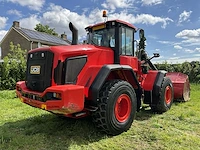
[{"x": 181, "y": 86}]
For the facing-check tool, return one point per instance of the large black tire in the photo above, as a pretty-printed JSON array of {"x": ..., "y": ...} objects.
[
  {"x": 117, "y": 107},
  {"x": 166, "y": 96}
]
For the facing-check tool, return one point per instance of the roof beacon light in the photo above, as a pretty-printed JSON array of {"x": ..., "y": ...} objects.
[{"x": 105, "y": 13}]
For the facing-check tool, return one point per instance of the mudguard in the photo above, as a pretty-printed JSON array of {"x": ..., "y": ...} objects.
[
  {"x": 103, "y": 75},
  {"x": 157, "y": 86}
]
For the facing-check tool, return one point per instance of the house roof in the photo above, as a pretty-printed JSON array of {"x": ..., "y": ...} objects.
[{"x": 41, "y": 37}]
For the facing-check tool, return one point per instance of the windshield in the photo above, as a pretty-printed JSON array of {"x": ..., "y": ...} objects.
[{"x": 103, "y": 37}]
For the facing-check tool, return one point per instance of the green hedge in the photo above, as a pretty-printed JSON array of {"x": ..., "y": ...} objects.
[{"x": 192, "y": 69}]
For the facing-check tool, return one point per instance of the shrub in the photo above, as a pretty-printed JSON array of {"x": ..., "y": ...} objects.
[{"x": 13, "y": 68}]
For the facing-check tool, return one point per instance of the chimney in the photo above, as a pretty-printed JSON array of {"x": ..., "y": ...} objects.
[
  {"x": 15, "y": 24},
  {"x": 64, "y": 36}
]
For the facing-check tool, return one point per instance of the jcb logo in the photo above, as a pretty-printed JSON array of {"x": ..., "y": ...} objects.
[{"x": 35, "y": 70}]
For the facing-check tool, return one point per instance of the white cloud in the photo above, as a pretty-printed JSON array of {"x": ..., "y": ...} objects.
[
  {"x": 174, "y": 58},
  {"x": 153, "y": 37},
  {"x": 157, "y": 50},
  {"x": 113, "y": 4},
  {"x": 151, "y": 2},
  {"x": 31, "y": 4},
  {"x": 14, "y": 12},
  {"x": 190, "y": 37},
  {"x": 178, "y": 47},
  {"x": 3, "y": 21},
  {"x": 185, "y": 34},
  {"x": 166, "y": 42},
  {"x": 58, "y": 17},
  {"x": 2, "y": 34},
  {"x": 184, "y": 16},
  {"x": 189, "y": 50},
  {"x": 197, "y": 55},
  {"x": 142, "y": 18},
  {"x": 149, "y": 19},
  {"x": 29, "y": 22},
  {"x": 197, "y": 49}
]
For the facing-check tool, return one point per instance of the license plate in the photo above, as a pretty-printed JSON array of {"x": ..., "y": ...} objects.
[{"x": 35, "y": 70}]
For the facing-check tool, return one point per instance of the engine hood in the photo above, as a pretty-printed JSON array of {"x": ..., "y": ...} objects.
[{"x": 73, "y": 50}]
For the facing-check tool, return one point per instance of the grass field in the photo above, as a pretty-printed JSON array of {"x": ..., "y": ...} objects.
[{"x": 25, "y": 128}]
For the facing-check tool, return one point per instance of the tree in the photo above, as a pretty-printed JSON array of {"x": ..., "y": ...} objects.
[{"x": 45, "y": 28}]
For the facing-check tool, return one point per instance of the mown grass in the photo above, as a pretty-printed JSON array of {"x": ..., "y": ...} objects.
[{"x": 25, "y": 128}]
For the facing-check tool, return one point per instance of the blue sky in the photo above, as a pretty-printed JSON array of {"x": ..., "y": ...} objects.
[{"x": 172, "y": 27}]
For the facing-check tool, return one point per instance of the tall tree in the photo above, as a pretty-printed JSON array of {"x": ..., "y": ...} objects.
[{"x": 45, "y": 28}]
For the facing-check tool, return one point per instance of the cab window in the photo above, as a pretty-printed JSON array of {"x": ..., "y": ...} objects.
[
  {"x": 127, "y": 42},
  {"x": 103, "y": 37}
]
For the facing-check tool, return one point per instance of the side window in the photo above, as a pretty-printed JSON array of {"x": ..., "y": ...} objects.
[
  {"x": 123, "y": 41},
  {"x": 127, "y": 41},
  {"x": 111, "y": 37}
]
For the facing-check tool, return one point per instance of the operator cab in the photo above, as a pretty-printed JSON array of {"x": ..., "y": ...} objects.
[{"x": 115, "y": 34}]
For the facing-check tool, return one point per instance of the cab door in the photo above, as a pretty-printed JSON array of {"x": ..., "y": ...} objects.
[{"x": 127, "y": 48}]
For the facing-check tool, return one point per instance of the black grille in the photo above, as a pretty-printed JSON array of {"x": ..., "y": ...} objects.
[
  {"x": 73, "y": 67},
  {"x": 39, "y": 70}
]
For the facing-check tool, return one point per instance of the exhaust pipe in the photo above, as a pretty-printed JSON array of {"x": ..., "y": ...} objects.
[{"x": 74, "y": 34}]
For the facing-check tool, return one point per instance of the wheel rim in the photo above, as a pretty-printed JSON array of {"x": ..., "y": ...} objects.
[
  {"x": 123, "y": 108},
  {"x": 168, "y": 95}
]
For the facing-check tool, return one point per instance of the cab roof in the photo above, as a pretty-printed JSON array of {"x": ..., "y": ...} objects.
[{"x": 118, "y": 21}]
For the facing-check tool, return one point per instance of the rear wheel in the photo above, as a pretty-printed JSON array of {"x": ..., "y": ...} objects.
[
  {"x": 166, "y": 96},
  {"x": 116, "y": 107}
]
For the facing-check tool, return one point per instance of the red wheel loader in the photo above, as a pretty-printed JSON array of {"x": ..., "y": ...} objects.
[{"x": 107, "y": 78}]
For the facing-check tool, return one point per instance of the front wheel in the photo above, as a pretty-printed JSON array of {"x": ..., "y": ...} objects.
[
  {"x": 117, "y": 107},
  {"x": 166, "y": 96}
]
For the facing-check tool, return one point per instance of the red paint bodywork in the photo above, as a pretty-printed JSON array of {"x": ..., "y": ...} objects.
[
  {"x": 73, "y": 96},
  {"x": 68, "y": 103}
]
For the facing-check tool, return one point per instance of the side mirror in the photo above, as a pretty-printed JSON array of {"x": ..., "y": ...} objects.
[
  {"x": 150, "y": 63},
  {"x": 156, "y": 55}
]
